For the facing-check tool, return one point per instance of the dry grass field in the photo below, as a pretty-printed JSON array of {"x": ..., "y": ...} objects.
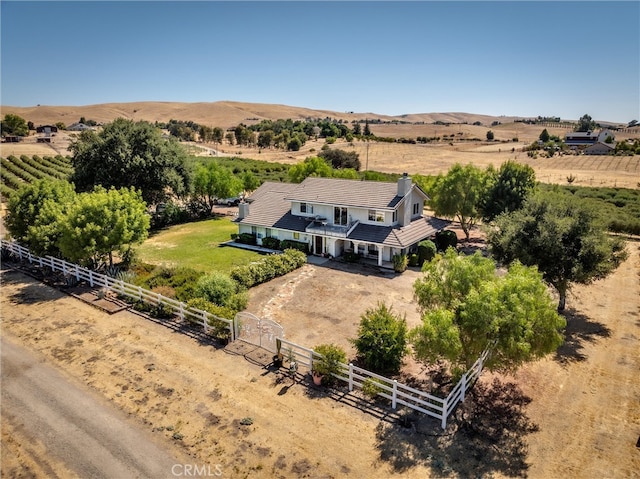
[{"x": 387, "y": 157}]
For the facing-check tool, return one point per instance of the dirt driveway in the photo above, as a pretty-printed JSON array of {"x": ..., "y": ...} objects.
[{"x": 572, "y": 415}]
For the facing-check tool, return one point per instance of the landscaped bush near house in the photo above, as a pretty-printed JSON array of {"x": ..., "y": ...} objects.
[
  {"x": 271, "y": 243},
  {"x": 413, "y": 260},
  {"x": 216, "y": 287},
  {"x": 292, "y": 244},
  {"x": 246, "y": 238},
  {"x": 268, "y": 268},
  {"x": 400, "y": 262},
  {"x": 446, "y": 239},
  {"x": 426, "y": 251}
]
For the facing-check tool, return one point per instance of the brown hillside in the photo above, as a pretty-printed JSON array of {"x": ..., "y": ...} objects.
[{"x": 222, "y": 113}]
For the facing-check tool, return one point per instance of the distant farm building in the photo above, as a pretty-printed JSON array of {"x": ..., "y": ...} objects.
[
  {"x": 600, "y": 148},
  {"x": 79, "y": 127},
  {"x": 586, "y": 138},
  {"x": 46, "y": 132}
]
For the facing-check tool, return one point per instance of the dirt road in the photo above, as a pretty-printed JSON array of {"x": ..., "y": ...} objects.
[{"x": 69, "y": 431}]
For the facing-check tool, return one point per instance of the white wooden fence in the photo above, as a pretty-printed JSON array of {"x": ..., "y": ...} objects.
[
  {"x": 120, "y": 287},
  {"x": 354, "y": 376},
  {"x": 391, "y": 389}
]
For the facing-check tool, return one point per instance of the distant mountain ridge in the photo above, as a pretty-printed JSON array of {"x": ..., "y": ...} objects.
[{"x": 222, "y": 113}]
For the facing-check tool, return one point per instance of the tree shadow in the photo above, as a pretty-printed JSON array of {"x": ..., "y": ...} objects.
[
  {"x": 580, "y": 330},
  {"x": 30, "y": 293},
  {"x": 485, "y": 436}
]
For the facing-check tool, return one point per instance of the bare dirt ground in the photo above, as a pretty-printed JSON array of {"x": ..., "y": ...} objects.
[{"x": 575, "y": 414}]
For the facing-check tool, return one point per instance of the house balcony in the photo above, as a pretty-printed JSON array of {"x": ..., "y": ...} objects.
[{"x": 318, "y": 227}]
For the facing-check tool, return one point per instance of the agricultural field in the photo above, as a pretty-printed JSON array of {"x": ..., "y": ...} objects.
[{"x": 17, "y": 171}]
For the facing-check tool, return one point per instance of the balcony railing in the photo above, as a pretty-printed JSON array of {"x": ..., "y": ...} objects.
[{"x": 338, "y": 231}]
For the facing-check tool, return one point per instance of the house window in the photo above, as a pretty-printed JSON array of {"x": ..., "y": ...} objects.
[
  {"x": 395, "y": 216},
  {"x": 377, "y": 216},
  {"x": 340, "y": 215},
  {"x": 306, "y": 208},
  {"x": 296, "y": 236},
  {"x": 416, "y": 208}
]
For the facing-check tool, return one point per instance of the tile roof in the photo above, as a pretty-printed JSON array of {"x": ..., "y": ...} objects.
[
  {"x": 272, "y": 209},
  {"x": 339, "y": 192},
  {"x": 396, "y": 236}
]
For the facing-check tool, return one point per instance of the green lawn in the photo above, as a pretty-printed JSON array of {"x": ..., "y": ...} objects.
[{"x": 196, "y": 245}]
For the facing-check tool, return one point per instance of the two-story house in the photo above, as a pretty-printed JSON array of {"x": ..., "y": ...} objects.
[{"x": 334, "y": 216}]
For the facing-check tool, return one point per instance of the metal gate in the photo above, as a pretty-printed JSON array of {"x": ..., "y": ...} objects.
[{"x": 261, "y": 332}]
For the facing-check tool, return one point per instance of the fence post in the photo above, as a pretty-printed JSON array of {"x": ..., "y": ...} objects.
[
  {"x": 77, "y": 273},
  {"x": 91, "y": 278},
  {"x": 204, "y": 321},
  {"x": 463, "y": 390},
  {"x": 181, "y": 311},
  {"x": 350, "y": 377},
  {"x": 311, "y": 360},
  {"x": 445, "y": 409},
  {"x": 395, "y": 394}
]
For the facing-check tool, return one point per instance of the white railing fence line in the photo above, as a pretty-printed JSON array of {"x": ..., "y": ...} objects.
[
  {"x": 120, "y": 287},
  {"x": 354, "y": 376},
  {"x": 391, "y": 389}
]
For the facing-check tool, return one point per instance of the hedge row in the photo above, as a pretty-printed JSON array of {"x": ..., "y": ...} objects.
[{"x": 268, "y": 268}]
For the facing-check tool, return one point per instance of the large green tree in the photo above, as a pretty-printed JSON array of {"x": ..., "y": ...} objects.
[
  {"x": 34, "y": 212},
  {"x": 458, "y": 194},
  {"x": 213, "y": 181},
  {"x": 312, "y": 166},
  {"x": 131, "y": 154},
  {"x": 101, "y": 222},
  {"x": 585, "y": 123},
  {"x": 507, "y": 188},
  {"x": 341, "y": 158},
  {"x": 562, "y": 236},
  {"x": 467, "y": 308},
  {"x": 14, "y": 125}
]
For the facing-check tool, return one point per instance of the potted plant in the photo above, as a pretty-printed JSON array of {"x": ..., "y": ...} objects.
[{"x": 329, "y": 363}]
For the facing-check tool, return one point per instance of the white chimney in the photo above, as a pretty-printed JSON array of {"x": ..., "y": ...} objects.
[
  {"x": 243, "y": 210},
  {"x": 404, "y": 185}
]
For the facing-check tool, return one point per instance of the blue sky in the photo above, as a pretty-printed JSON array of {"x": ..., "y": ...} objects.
[{"x": 497, "y": 58}]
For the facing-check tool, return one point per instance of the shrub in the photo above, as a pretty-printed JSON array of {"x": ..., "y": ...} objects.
[
  {"x": 329, "y": 364},
  {"x": 382, "y": 339},
  {"x": 268, "y": 268},
  {"x": 371, "y": 387},
  {"x": 220, "y": 329},
  {"x": 247, "y": 238},
  {"x": 216, "y": 287},
  {"x": 446, "y": 239},
  {"x": 292, "y": 244},
  {"x": 413, "y": 260},
  {"x": 400, "y": 262},
  {"x": 351, "y": 257},
  {"x": 426, "y": 251},
  {"x": 271, "y": 243}
]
